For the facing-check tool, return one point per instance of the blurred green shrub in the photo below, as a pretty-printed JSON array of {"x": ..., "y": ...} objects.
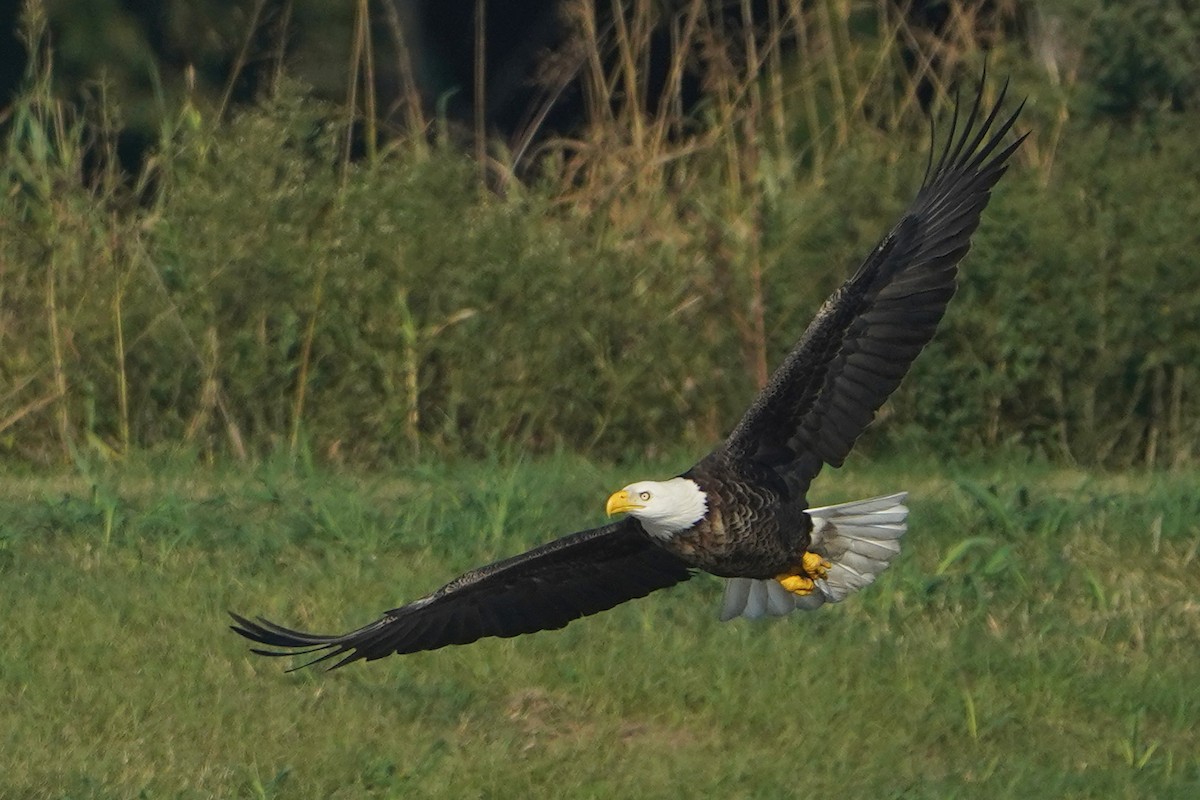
[
  {"x": 1144, "y": 56},
  {"x": 1077, "y": 330}
]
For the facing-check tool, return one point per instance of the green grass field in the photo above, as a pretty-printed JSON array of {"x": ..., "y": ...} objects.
[{"x": 1039, "y": 637}]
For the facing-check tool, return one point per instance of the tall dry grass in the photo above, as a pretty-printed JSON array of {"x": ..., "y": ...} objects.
[{"x": 256, "y": 288}]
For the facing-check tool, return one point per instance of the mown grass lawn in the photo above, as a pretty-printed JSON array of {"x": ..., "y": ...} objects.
[{"x": 1039, "y": 637}]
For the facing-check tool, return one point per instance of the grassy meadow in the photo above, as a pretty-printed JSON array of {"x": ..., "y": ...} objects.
[{"x": 1037, "y": 638}]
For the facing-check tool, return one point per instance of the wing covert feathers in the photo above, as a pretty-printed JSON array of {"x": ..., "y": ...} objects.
[
  {"x": 543, "y": 589},
  {"x": 866, "y": 336}
]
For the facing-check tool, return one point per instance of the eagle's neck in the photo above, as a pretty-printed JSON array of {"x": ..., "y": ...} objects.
[{"x": 680, "y": 504}]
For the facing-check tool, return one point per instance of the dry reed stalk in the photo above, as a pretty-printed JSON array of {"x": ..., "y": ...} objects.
[
  {"x": 775, "y": 28},
  {"x": 410, "y": 342},
  {"x": 833, "y": 67},
  {"x": 242, "y": 58},
  {"x": 32, "y": 407},
  {"x": 57, "y": 363},
  {"x": 670, "y": 104},
  {"x": 627, "y": 72},
  {"x": 480, "y": 94},
  {"x": 119, "y": 344},
  {"x": 362, "y": 68},
  {"x": 414, "y": 112},
  {"x": 362, "y": 21},
  {"x": 812, "y": 113}
]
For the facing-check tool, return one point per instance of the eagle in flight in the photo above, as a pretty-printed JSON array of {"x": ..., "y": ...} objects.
[{"x": 742, "y": 511}]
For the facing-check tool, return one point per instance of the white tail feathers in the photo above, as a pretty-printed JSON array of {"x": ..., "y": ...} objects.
[{"x": 859, "y": 539}]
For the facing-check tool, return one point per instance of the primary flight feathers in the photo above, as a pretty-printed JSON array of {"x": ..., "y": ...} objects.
[
  {"x": 742, "y": 511},
  {"x": 542, "y": 589}
]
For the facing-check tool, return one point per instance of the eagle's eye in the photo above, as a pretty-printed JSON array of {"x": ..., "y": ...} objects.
[{"x": 645, "y": 496}]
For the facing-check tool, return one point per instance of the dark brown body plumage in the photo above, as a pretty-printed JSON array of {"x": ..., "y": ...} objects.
[{"x": 755, "y": 526}]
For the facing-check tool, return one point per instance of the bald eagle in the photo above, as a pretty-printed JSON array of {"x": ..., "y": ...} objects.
[{"x": 741, "y": 513}]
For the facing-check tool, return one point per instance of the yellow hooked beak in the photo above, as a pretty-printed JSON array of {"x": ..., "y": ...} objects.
[{"x": 621, "y": 502}]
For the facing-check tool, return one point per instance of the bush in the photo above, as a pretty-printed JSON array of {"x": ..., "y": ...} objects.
[
  {"x": 255, "y": 291},
  {"x": 1075, "y": 332}
]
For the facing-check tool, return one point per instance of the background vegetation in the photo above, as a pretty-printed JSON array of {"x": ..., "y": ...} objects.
[{"x": 255, "y": 287}]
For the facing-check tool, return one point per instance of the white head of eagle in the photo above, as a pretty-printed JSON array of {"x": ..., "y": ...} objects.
[{"x": 665, "y": 508}]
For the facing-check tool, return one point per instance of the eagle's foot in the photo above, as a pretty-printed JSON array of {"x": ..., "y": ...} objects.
[
  {"x": 797, "y": 584},
  {"x": 801, "y": 582},
  {"x": 814, "y": 565}
]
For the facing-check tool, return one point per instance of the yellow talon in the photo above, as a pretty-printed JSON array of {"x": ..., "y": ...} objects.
[
  {"x": 814, "y": 565},
  {"x": 797, "y": 584},
  {"x": 801, "y": 582}
]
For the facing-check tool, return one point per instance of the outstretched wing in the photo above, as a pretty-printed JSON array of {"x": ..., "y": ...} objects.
[
  {"x": 865, "y": 337},
  {"x": 543, "y": 589}
]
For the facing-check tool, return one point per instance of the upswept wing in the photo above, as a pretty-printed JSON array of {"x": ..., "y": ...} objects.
[
  {"x": 543, "y": 589},
  {"x": 865, "y": 337}
]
